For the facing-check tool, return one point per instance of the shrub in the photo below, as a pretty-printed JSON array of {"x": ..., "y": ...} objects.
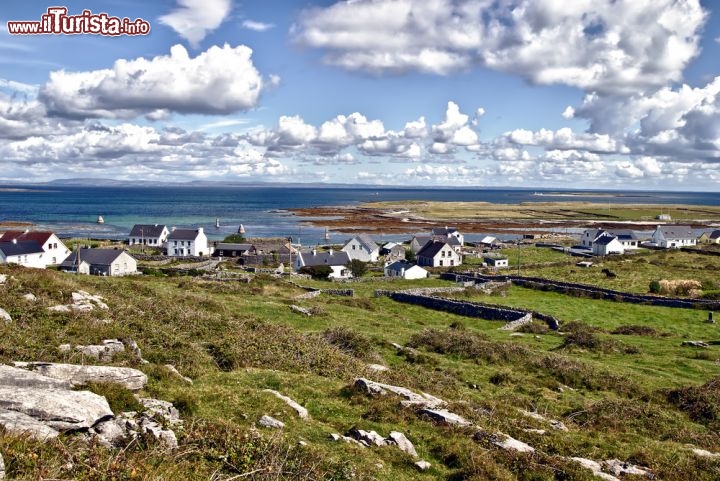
[
  {"x": 119, "y": 398},
  {"x": 655, "y": 286},
  {"x": 468, "y": 345},
  {"x": 700, "y": 403},
  {"x": 350, "y": 342},
  {"x": 317, "y": 272},
  {"x": 357, "y": 267},
  {"x": 534, "y": 328},
  {"x": 637, "y": 331}
]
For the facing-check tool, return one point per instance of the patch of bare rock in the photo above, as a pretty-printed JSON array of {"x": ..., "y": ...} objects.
[
  {"x": 82, "y": 301},
  {"x": 301, "y": 411},
  {"x": 78, "y": 375}
]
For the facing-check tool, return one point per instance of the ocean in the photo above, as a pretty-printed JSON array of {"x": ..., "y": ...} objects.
[{"x": 72, "y": 211}]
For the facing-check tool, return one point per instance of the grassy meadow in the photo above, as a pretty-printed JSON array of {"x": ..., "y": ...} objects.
[{"x": 617, "y": 377}]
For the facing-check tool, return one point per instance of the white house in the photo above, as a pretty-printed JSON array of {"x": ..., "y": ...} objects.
[
  {"x": 25, "y": 253},
  {"x": 363, "y": 248},
  {"x": 405, "y": 270},
  {"x": 496, "y": 261},
  {"x": 100, "y": 262},
  {"x": 448, "y": 232},
  {"x": 607, "y": 244},
  {"x": 419, "y": 241},
  {"x": 674, "y": 236},
  {"x": 438, "y": 254},
  {"x": 53, "y": 247},
  {"x": 187, "y": 242},
  {"x": 626, "y": 237},
  {"x": 153, "y": 235},
  {"x": 337, "y": 261}
]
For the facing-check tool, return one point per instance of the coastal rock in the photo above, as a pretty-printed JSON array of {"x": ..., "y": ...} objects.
[
  {"x": 402, "y": 442},
  {"x": 20, "y": 423},
  {"x": 423, "y": 465},
  {"x": 16, "y": 377},
  {"x": 596, "y": 468},
  {"x": 102, "y": 352},
  {"x": 60, "y": 409},
  {"x": 270, "y": 422},
  {"x": 30, "y": 297},
  {"x": 175, "y": 372},
  {"x": 619, "y": 468},
  {"x": 444, "y": 416},
  {"x": 4, "y": 315},
  {"x": 368, "y": 438},
  {"x": 301, "y": 411},
  {"x": 77, "y": 375},
  {"x": 411, "y": 398}
]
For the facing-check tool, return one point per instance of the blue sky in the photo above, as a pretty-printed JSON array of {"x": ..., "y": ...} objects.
[{"x": 531, "y": 93}]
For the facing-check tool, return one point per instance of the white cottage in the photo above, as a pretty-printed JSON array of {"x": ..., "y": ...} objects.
[
  {"x": 448, "y": 232},
  {"x": 404, "y": 270},
  {"x": 674, "y": 236},
  {"x": 187, "y": 242},
  {"x": 607, "y": 244},
  {"x": 626, "y": 237},
  {"x": 337, "y": 261},
  {"x": 55, "y": 250},
  {"x": 152, "y": 235},
  {"x": 362, "y": 248},
  {"x": 25, "y": 253},
  {"x": 100, "y": 262},
  {"x": 438, "y": 254}
]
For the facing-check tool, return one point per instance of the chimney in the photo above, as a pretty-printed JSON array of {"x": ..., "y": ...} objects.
[
  {"x": 314, "y": 252},
  {"x": 200, "y": 230},
  {"x": 331, "y": 252},
  {"x": 173, "y": 229},
  {"x": 14, "y": 241}
]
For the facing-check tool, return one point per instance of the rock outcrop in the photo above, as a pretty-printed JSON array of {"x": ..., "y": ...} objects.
[
  {"x": 402, "y": 442},
  {"x": 78, "y": 375},
  {"x": 270, "y": 422},
  {"x": 301, "y": 411},
  {"x": 2, "y": 467},
  {"x": 20, "y": 423},
  {"x": 4, "y": 316},
  {"x": 443, "y": 416},
  {"x": 412, "y": 398}
]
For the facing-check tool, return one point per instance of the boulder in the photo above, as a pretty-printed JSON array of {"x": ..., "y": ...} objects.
[
  {"x": 176, "y": 373},
  {"x": 59, "y": 308},
  {"x": 270, "y": 422},
  {"x": 15, "y": 377},
  {"x": 81, "y": 298},
  {"x": 4, "y": 316},
  {"x": 444, "y": 416},
  {"x": 161, "y": 410},
  {"x": 377, "y": 367},
  {"x": 112, "y": 433},
  {"x": 30, "y": 297},
  {"x": 301, "y": 411},
  {"x": 368, "y": 438},
  {"x": 618, "y": 468},
  {"x": 596, "y": 468},
  {"x": 300, "y": 310},
  {"x": 77, "y": 375},
  {"x": 347, "y": 439},
  {"x": 104, "y": 351},
  {"x": 423, "y": 465},
  {"x": 60, "y": 409},
  {"x": 411, "y": 398},
  {"x": 19, "y": 423},
  {"x": 402, "y": 442},
  {"x": 704, "y": 453},
  {"x": 504, "y": 441}
]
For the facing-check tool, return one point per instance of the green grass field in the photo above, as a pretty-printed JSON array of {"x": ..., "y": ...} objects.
[{"x": 236, "y": 339}]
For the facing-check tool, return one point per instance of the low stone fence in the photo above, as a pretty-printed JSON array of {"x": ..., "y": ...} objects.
[
  {"x": 513, "y": 317},
  {"x": 592, "y": 292},
  {"x": 700, "y": 251}
]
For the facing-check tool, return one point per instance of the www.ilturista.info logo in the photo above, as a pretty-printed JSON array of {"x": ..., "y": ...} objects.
[{"x": 57, "y": 22}]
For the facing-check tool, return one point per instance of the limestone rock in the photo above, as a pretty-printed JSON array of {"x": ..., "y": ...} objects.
[
  {"x": 163, "y": 436},
  {"x": 300, "y": 310},
  {"x": 131, "y": 379},
  {"x": 368, "y": 438},
  {"x": 132, "y": 345},
  {"x": 596, "y": 469},
  {"x": 540, "y": 432},
  {"x": 695, "y": 344},
  {"x": 444, "y": 416},
  {"x": 82, "y": 298},
  {"x": 705, "y": 454},
  {"x": 61, "y": 409},
  {"x": 618, "y": 468},
  {"x": 2, "y": 467},
  {"x": 347, "y": 439},
  {"x": 559, "y": 425},
  {"x": 159, "y": 409},
  {"x": 301, "y": 411},
  {"x": 175, "y": 372},
  {"x": 402, "y": 442},
  {"x": 4, "y": 315},
  {"x": 423, "y": 465},
  {"x": 112, "y": 433},
  {"x": 377, "y": 367},
  {"x": 504, "y": 441},
  {"x": 19, "y": 423},
  {"x": 270, "y": 422},
  {"x": 59, "y": 308},
  {"x": 3, "y": 278},
  {"x": 15, "y": 377},
  {"x": 30, "y": 297},
  {"x": 411, "y": 398},
  {"x": 104, "y": 351}
]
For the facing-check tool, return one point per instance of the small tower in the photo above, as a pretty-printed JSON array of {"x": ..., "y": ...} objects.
[{"x": 241, "y": 229}]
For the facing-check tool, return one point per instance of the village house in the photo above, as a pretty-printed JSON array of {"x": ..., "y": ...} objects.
[
  {"x": 395, "y": 253},
  {"x": 337, "y": 261},
  {"x": 362, "y": 248},
  {"x": 100, "y": 262},
  {"x": 419, "y": 241},
  {"x": 405, "y": 270},
  {"x": 496, "y": 261},
  {"x": 448, "y": 232},
  {"x": 187, "y": 242},
  {"x": 25, "y": 253},
  {"x": 438, "y": 254},
  {"x": 55, "y": 250},
  {"x": 607, "y": 244},
  {"x": 674, "y": 236},
  {"x": 223, "y": 249},
  {"x": 709, "y": 237},
  {"x": 152, "y": 235},
  {"x": 625, "y": 237}
]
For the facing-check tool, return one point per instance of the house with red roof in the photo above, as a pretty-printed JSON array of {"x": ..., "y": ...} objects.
[{"x": 53, "y": 248}]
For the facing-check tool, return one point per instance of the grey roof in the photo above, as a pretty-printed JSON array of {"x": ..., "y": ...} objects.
[
  {"x": 443, "y": 230},
  {"x": 184, "y": 234},
  {"x": 94, "y": 257},
  {"x": 147, "y": 230},
  {"x": 453, "y": 241},
  {"x": 423, "y": 239},
  {"x": 432, "y": 248},
  {"x": 623, "y": 234},
  {"x": 337, "y": 258},
  {"x": 234, "y": 247},
  {"x": 366, "y": 242},
  {"x": 715, "y": 234},
  {"x": 398, "y": 265},
  {"x": 604, "y": 240},
  {"x": 677, "y": 231},
  {"x": 20, "y": 248}
]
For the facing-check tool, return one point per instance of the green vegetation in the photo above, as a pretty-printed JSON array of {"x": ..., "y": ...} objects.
[
  {"x": 357, "y": 268},
  {"x": 235, "y": 239},
  {"x": 617, "y": 376}
]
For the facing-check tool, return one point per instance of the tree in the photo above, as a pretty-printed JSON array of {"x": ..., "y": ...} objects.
[
  {"x": 357, "y": 267},
  {"x": 235, "y": 239},
  {"x": 409, "y": 255},
  {"x": 320, "y": 273}
]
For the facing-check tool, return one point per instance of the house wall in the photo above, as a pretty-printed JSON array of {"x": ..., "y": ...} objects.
[
  {"x": 355, "y": 250},
  {"x": 447, "y": 257},
  {"x": 181, "y": 248},
  {"x": 36, "y": 261},
  {"x": 614, "y": 247},
  {"x": 56, "y": 252}
]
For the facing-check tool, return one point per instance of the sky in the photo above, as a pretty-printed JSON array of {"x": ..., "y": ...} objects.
[{"x": 603, "y": 94}]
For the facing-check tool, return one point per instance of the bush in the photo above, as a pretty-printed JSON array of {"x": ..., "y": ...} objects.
[
  {"x": 655, "y": 287},
  {"x": 468, "y": 345},
  {"x": 357, "y": 267},
  {"x": 637, "y": 331},
  {"x": 317, "y": 272},
  {"x": 700, "y": 403},
  {"x": 350, "y": 342},
  {"x": 119, "y": 398}
]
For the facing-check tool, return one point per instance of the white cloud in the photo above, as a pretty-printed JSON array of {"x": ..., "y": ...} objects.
[
  {"x": 454, "y": 128},
  {"x": 257, "y": 26},
  {"x": 221, "y": 80},
  {"x": 565, "y": 138},
  {"x": 594, "y": 45},
  {"x": 194, "y": 19}
]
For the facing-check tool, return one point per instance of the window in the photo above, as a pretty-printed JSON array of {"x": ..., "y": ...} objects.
[
  {"x": 353, "y": 246},
  {"x": 175, "y": 243},
  {"x": 441, "y": 262},
  {"x": 452, "y": 263}
]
